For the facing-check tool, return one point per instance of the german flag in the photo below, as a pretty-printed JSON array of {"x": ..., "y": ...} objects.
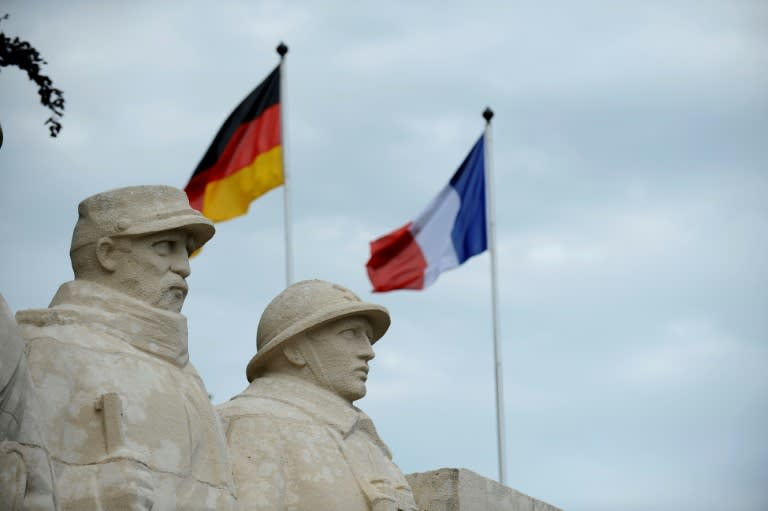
[{"x": 244, "y": 160}]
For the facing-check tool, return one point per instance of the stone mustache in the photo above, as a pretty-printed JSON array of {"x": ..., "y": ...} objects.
[{"x": 100, "y": 408}]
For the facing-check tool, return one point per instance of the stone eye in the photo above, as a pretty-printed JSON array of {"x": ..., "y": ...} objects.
[{"x": 163, "y": 248}]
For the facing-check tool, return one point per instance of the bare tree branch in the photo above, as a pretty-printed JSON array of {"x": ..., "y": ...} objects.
[{"x": 15, "y": 52}]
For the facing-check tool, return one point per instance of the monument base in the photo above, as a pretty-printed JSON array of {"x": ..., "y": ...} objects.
[{"x": 459, "y": 489}]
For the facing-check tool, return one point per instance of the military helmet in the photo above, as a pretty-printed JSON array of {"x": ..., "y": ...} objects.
[{"x": 303, "y": 306}]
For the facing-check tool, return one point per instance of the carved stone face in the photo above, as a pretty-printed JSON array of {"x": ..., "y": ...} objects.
[
  {"x": 340, "y": 354},
  {"x": 154, "y": 269}
]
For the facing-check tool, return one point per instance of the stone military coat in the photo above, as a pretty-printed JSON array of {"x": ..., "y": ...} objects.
[
  {"x": 296, "y": 447},
  {"x": 128, "y": 422}
]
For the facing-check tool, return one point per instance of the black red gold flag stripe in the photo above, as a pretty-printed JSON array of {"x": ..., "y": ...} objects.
[{"x": 244, "y": 160}]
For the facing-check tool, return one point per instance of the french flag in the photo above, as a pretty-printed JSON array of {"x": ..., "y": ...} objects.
[{"x": 448, "y": 232}]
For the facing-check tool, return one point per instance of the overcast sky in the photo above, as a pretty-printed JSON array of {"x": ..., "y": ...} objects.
[{"x": 631, "y": 168}]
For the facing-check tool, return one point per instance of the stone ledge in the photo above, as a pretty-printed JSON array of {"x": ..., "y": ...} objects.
[{"x": 459, "y": 489}]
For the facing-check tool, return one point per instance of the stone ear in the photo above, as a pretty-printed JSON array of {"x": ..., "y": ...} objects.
[
  {"x": 105, "y": 249},
  {"x": 294, "y": 355}
]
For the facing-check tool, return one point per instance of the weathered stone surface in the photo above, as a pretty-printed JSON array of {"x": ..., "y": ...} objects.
[
  {"x": 297, "y": 441},
  {"x": 459, "y": 489},
  {"x": 100, "y": 409},
  {"x": 26, "y": 475},
  {"x": 13, "y": 381},
  {"x": 123, "y": 414}
]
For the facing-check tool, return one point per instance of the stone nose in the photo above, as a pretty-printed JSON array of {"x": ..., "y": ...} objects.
[
  {"x": 366, "y": 352},
  {"x": 180, "y": 265}
]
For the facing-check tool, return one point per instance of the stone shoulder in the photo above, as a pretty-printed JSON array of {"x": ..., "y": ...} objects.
[
  {"x": 259, "y": 407},
  {"x": 53, "y": 331},
  {"x": 67, "y": 327}
]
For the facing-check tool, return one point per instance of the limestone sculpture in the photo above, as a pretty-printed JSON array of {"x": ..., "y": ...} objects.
[
  {"x": 296, "y": 440},
  {"x": 126, "y": 418},
  {"x": 26, "y": 475}
]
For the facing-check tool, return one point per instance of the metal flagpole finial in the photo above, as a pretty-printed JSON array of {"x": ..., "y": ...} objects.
[
  {"x": 282, "y": 49},
  {"x": 488, "y": 114}
]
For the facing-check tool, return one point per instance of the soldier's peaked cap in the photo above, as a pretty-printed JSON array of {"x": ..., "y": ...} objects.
[{"x": 138, "y": 210}]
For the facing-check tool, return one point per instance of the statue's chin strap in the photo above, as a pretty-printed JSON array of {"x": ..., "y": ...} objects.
[{"x": 314, "y": 363}]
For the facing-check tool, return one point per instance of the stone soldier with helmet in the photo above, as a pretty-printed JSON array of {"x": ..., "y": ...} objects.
[
  {"x": 126, "y": 418},
  {"x": 296, "y": 440}
]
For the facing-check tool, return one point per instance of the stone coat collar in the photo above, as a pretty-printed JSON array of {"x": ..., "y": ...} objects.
[
  {"x": 156, "y": 331},
  {"x": 321, "y": 404}
]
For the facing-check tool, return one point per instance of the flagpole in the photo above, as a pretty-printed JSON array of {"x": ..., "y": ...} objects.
[
  {"x": 282, "y": 50},
  {"x": 490, "y": 213}
]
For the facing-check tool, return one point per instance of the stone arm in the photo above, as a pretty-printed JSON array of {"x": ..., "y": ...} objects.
[
  {"x": 27, "y": 480},
  {"x": 14, "y": 382},
  {"x": 258, "y": 452}
]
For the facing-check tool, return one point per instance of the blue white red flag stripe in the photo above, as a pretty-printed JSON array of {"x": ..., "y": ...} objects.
[{"x": 449, "y": 231}]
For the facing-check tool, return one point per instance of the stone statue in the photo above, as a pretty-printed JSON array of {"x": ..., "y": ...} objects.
[
  {"x": 126, "y": 418},
  {"x": 296, "y": 440},
  {"x": 26, "y": 474}
]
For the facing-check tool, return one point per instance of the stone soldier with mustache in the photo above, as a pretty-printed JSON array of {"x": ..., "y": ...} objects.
[{"x": 125, "y": 417}]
